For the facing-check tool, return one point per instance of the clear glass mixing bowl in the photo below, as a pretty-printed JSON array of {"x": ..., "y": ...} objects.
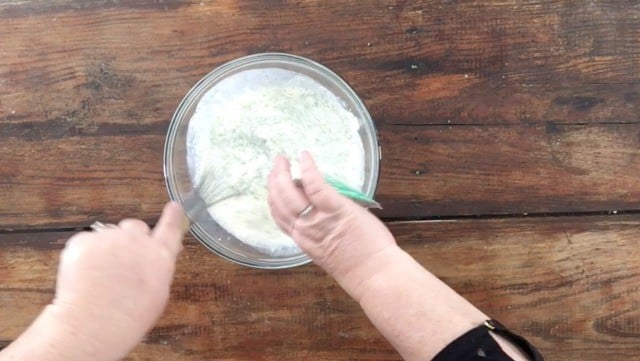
[{"x": 176, "y": 169}]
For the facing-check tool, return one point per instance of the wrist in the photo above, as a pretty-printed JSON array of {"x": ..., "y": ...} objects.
[
  {"x": 59, "y": 335},
  {"x": 360, "y": 277},
  {"x": 47, "y": 338}
]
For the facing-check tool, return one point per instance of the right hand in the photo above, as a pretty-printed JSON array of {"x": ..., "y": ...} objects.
[
  {"x": 113, "y": 285},
  {"x": 340, "y": 236}
]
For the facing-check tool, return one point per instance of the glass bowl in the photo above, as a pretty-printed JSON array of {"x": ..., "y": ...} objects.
[{"x": 176, "y": 165}]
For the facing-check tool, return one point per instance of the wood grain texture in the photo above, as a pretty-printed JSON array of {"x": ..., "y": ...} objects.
[
  {"x": 87, "y": 90},
  {"x": 483, "y": 108},
  {"x": 509, "y": 170},
  {"x": 422, "y": 62},
  {"x": 570, "y": 284},
  {"x": 426, "y": 172}
]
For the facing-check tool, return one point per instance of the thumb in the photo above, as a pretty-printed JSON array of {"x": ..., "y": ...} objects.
[
  {"x": 321, "y": 195},
  {"x": 170, "y": 228}
]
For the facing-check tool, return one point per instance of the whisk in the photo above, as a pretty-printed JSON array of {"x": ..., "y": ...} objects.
[{"x": 208, "y": 192}]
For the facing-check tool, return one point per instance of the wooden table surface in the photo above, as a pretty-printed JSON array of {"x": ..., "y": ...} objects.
[{"x": 511, "y": 157}]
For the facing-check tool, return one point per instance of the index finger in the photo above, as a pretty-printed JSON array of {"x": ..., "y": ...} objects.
[{"x": 170, "y": 228}]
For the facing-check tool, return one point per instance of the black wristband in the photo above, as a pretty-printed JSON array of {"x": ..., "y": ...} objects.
[{"x": 478, "y": 345}]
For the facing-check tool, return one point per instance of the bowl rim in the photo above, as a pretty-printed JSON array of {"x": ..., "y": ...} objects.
[{"x": 213, "y": 77}]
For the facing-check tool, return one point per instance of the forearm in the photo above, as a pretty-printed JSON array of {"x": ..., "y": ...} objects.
[
  {"x": 43, "y": 340},
  {"x": 415, "y": 311},
  {"x": 51, "y": 337}
]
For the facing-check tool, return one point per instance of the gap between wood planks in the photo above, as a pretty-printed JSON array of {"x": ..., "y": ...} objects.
[
  {"x": 513, "y": 124},
  {"x": 57, "y": 128},
  {"x": 395, "y": 220}
]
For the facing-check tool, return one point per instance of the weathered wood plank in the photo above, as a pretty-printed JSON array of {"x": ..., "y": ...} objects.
[
  {"x": 426, "y": 171},
  {"x": 569, "y": 284},
  {"x": 413, "y": 62},
  {"x": 71, "y": 181},
  {"x": 454, "y": 171},
  {"x": 86, "y": 92},
  {"x": 483, "y": 108}
]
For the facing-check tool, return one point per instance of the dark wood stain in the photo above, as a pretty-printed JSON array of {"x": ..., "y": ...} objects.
[
  {"x": 574, "y": 300},
  {"x": 484, "y": 109},
  {"x": 113, "y": 171},
  {"x": 580, "y": 103},
  {"x": 30, "y": 8},
  {"x": 75, "y": 124},
  {"x": 426, "y": 64}
]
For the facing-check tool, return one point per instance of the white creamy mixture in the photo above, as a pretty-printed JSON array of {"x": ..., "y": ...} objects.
[{"x": 244, "y": 122}]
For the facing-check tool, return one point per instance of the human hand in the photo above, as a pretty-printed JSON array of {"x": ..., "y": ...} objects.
[
  {"x": 113, "y": 285},
  {"x": 343, "y": 238},
  {"x": 404, "y": 301}
]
